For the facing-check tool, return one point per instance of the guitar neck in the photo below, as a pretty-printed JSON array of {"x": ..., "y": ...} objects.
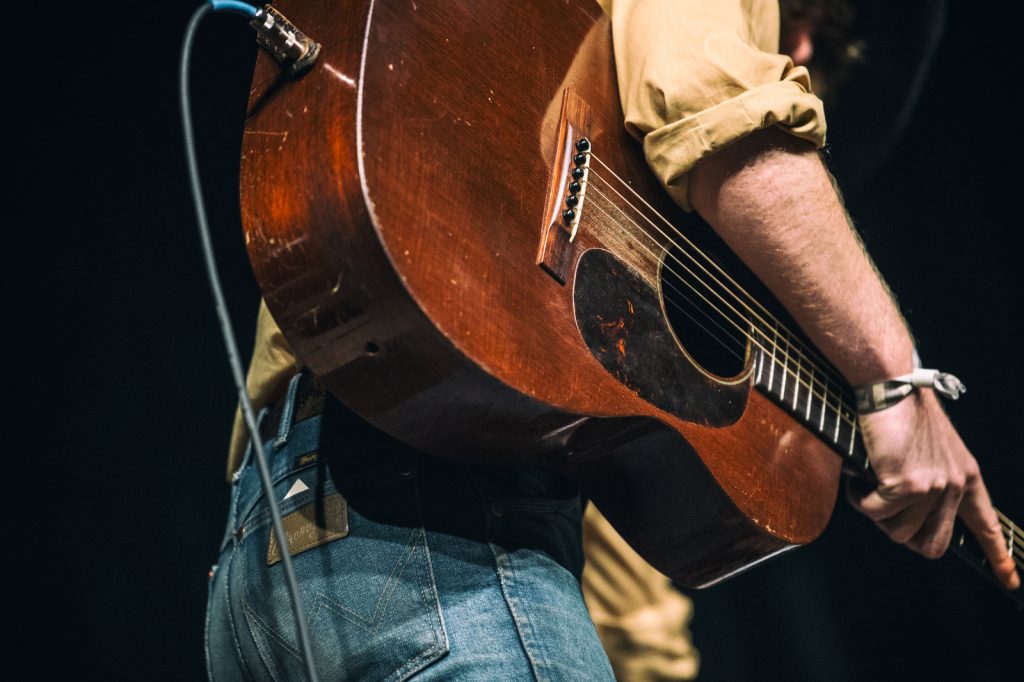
[
  {"x": 808, "y": 388},
  {"x": 967, "y": 548}
]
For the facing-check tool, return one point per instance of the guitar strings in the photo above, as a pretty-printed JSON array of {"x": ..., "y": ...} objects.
[
  {"x": 681, "y": 263},
  {"x": 1004, "y": 518},
  {"x": 707, "y": 258},
  {"x": 774, "y": 324},
  {"x": 1008, "y": 523},
  {"x": 738, "y": 343},
  {"x": 841, "y": 405},
  {"x": 1013, "y": 531},
  {"x": 729, "y": 349},
  {"x": 738, "y": 314}
]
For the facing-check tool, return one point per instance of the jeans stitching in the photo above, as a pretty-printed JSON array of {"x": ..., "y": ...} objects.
[
  {"x": 416, "y": 664},
  {"x": 520, "y": 622},
  {"x": 230, "y": 613},
  {"x": 430, "y": 584},
  {"x": 265, "y": 655},
  {"x": 428, "y": 593},
  {"x": 324, "y": 602},
  {"x": 371, "y": 624},
  {"x": 251, "y": 618}
]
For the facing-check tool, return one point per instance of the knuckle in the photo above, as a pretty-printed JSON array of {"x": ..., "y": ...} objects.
[
  {"x": 888, "y": 484},
  {"x": 916, "y": 484}
]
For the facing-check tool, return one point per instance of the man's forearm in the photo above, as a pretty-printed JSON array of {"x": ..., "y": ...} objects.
[{"x": 772, "y": 200}]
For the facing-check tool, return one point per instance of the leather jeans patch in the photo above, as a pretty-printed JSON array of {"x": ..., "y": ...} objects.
[{"x": 315, "y": 524}]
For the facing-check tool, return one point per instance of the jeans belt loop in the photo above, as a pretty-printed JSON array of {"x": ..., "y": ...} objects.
[{"x": 288, "y": 411}]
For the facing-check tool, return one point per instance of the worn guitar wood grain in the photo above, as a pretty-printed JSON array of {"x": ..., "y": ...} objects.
[{"x": 394, "y": 202}]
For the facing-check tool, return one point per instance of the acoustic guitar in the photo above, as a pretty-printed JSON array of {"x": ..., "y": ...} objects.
[{"x": 455, "y": 232}]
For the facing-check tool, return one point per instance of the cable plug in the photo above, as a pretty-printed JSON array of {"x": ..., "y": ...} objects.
[{"x": 295, "y": 51}]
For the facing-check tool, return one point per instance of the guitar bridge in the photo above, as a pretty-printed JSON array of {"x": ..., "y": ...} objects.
[{"x": 567, "y": 188}]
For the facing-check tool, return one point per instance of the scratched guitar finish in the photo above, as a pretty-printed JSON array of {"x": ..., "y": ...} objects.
[{"x": 454, "y": 231}]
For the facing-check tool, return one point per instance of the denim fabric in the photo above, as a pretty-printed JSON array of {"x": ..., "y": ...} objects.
[{"x": 449, "y": 571}]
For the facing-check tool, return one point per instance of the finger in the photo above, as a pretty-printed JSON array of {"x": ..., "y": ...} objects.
[
  {"x": 903, "y": 526},
  {"x": 932, "y": 540},
  {"x": 979, "y": 517},
  {"x": 879, "y": 503}
]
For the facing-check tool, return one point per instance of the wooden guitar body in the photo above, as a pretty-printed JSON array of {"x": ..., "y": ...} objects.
[{"x": 402, "y": 208}]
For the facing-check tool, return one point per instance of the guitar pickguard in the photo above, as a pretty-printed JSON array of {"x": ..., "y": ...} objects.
[{"x": 620, "y": 317}]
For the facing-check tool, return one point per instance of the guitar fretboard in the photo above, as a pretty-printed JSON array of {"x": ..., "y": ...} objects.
[
  {"x": 799, "y": 382},
  {"x": 806, "y": 387}
]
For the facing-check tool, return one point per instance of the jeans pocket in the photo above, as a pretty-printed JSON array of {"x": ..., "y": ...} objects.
[{"x": 369, "y": 598}]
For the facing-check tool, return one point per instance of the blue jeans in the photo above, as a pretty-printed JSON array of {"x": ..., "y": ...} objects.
[{"x": 448, "y": 571}]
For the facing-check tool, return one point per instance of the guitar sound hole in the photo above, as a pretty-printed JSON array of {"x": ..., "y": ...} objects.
[{"x": 710, "y": 323}]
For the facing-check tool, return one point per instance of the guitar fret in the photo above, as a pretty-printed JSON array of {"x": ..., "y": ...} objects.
[
  {"x": 785, "y": 363},
  {"x": 810, "y": 393},
  {"x": 824, "y": 402},
  {"x": 796, "y": 385}
]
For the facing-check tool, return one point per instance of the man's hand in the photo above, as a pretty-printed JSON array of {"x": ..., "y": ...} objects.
[{"x": 926, "y": 477}]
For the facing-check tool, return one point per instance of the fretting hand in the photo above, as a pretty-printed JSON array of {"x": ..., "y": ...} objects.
[{"x": 926, "y": 478}]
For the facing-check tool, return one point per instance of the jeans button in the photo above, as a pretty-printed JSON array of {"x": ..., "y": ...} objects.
[
  {"x": 497, "y": 508},
  {"x": 406, "y": 470}
]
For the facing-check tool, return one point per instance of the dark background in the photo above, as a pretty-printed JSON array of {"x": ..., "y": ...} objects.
[{"x": 123, "y": 397}]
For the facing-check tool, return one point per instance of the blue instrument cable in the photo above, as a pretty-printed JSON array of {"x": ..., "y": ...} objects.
[{"x": 270, "y": 29}]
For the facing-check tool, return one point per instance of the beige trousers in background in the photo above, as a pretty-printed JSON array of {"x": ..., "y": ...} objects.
[{"x": 643, "y": 621}]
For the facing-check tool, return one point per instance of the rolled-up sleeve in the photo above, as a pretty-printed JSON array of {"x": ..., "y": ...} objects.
[{"x": 696, "y": 75}]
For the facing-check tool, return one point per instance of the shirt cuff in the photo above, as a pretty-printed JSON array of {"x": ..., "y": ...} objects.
[{"x": 674, "y": 149}]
